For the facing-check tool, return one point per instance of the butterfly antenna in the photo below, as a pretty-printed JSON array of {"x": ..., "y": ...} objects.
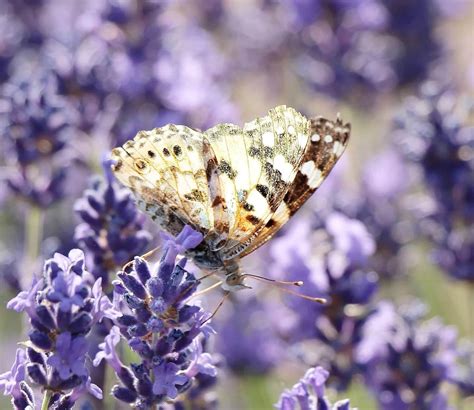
[
  {"x": 280, "y": 282},
  {"x": 226, "y": 295},
  {"x": 280, "y": 285}
]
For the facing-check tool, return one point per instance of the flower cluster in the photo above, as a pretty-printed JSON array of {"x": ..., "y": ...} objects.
[
  {"x": 333, "y": 263},
  {"x": 342, "y": 48},
  {"x": 14, "y": 384},
  {"x": 379, "y": 205},
  {"x": 62, "y": 307},
  {"x": 435, "y": 134},
  {"x": 160, "y": 327},
  {"x": 309, "y": 393},
  {"x": 406, "y": 359},
  {"x": 37, "y": 123},
  {"x": 248, "y": 340},
  {"x": 111, "y": 232}
]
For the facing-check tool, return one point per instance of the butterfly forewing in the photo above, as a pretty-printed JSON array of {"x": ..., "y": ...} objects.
[{"x": 327, "y": 142}]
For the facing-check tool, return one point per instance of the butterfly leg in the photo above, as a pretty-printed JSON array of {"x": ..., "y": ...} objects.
[
  {"x": 144, "y": 256},
  {"x": 226, "y": 294}
]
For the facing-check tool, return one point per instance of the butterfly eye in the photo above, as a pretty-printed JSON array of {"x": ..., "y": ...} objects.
[
  {"x": 141, "y": 166},
  {"x": 233, "y": 279}
]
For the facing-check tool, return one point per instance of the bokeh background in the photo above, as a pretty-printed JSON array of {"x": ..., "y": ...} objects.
[{"x": 388, "y": 239}]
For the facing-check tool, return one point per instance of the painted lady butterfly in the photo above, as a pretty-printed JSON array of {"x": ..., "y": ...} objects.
[{"x": 237, "y": 186}]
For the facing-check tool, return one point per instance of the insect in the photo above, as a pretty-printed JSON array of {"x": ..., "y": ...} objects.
[{"x": 237, "y": 186}]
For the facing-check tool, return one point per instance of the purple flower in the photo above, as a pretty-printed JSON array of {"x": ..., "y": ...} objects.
[
  {"x": 188, "y": 238},
  {"x": 247, "y": 338},
  {"x": 38, "y": 123},
  {"x": 10, "y": 380},
  {"x": 14, "y": 385},
  {"x": 62, "y": 308},
  {"x": 166, "y": 379},
  {"x": 341, "y": 48},
  {"x": 111, "y": 231},
  {"x": 69, "y": 356},
  {"x": 161, "y": 327},
  {"x": 406, "y": 360},
  {"x": 107, "y": 350},
  {"x": 435, "y": 134},
  {"x": 454, "y": 253},
  {"x": 308, "y": 393},
  {"x": 332, "y": 258},
  {"x": 26, "y": 299},
  {"x": 380, "y": 205}
]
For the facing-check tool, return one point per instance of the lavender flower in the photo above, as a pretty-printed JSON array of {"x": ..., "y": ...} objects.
[
  {"x": 309, "y": 393},
  {"x": 37, "y": 122},
  {"x": 14, "y": 383},
  {"x": 160, "y": 326},
  {"x": 342, "y": 48},
  {"x": 413, "y": 25},
  {"x": 380, "y": 205},
  {"x": 435, "y": 134},
  {"x": 406, "y": 359},
  {"x": 62, "y": 308},
  {"x": 454, "y": 253},
  {"x": 112, "y": 229},
  {"x": 247, "y": 339},
  {"x": 333, "y": 262}
]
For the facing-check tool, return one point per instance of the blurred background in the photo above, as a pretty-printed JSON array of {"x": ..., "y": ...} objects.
[{"x": 388, "y": 239}]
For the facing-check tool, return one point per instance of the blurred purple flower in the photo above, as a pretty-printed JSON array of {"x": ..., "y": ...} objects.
[
  {"x": 413, "y": 25},
  {"x": 454, "y": 253},
  {"x": 111, "y": 231},
  {"x": 436, "y": 135},
  {"x": 37, "y": 122},
  {"x": 246, "y": 338},
  {"x": 308, "y": 393},
  {"x": 341, "y": 47},
  {"x": 380, "y": 204},
  {"x": 406, "y": 364},
  {"x": 333, "y": 261}
]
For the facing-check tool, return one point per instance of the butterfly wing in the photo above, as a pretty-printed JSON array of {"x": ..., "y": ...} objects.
[
  {"x": 166, "y": 170},
  {"x": 256, "y": 164},
  {"x": 326, "y": 141}
]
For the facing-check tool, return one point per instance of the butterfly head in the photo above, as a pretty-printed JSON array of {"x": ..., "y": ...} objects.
[{"x": 234, "y": 281}]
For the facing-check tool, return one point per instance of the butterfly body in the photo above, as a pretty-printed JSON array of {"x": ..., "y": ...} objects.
[{"x": 237, "y": 186}]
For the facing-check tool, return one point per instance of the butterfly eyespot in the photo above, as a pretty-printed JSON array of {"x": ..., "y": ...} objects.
[
  {"x": 151, "y": 154},
  {"x": 141, "y": 166}
]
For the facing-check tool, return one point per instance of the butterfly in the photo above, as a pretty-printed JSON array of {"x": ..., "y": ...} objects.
[{"x": 237, "y": 186}]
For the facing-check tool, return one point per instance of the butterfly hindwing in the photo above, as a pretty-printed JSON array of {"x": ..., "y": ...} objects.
[{"x": 166, "y": 171}]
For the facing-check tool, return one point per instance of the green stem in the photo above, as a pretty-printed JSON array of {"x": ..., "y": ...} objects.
[
  {"x": 46, "y": 399},
  {"x": 34, "y": 232},
  {"x": 33, "y": 237}
]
